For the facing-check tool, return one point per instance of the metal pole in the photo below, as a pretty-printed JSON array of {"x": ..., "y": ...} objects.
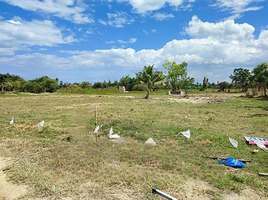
[{"x": 162, "y": 194}]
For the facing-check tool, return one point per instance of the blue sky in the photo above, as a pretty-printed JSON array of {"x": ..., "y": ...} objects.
[{"x": 101, "y": 40}]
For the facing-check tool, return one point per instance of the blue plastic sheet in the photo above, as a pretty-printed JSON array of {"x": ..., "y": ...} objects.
[{"x": 232, "y": 163}]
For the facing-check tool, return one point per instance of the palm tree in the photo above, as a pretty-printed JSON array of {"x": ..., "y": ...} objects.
[
  {"x": 148, "y": 76},
  {"x": 5, "y": 85}
]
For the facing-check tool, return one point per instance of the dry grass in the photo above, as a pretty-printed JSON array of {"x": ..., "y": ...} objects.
[{"x": 63, "y": 160}]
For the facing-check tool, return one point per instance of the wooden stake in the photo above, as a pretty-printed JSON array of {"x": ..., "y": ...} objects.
[
  {"x": 95, "y": 110},
  {"x": 96, "y": 134}
]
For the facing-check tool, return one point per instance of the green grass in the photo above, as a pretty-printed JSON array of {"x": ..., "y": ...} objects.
[{"x": 63, "y": 159}]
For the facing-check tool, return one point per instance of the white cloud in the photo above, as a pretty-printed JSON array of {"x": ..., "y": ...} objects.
[
  {"x": 123, "y": 42},
  {"x": 142, "y": 6},
  {"x": 118, "y": 19},
  {"x": 89, "y": 32},
  {"x": 130, "y": 41},
  {"x": 215, "y": 48},
  {"x": 19, "y": 35},
  {"x": 148, "y": 32},
  {"x": 110, "y": 42},
  {"x": 162, "y": 16},
  {"x": 263, "y": 39},
  {"x": 225, "y": 30},
  {"x": 238, "y": 6},
  {"x": 14, "y": 22},
  {"x": 71, "y": 10}
]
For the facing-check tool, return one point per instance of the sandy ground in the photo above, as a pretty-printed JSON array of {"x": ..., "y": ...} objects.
[
  {"x": 203, "y": 98},
  {"x": 9, "y": 191}
]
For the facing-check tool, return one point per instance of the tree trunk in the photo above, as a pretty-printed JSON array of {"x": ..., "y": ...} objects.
[
  {"x": 147, "y": 95},
  {"x": 148, "y": 90},
  {"x": 174, "y": 90}
]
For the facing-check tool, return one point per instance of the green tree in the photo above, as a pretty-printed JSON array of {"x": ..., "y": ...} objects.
[
  {"x": 85, "y": 84},
  {"x": 17, "y": 85},
  {"x": 38, "y": 85},
  {"x": 9, "y": 82},
  {"x": 176, "y": 74},
  {"x": 104, "y": 84},
  {"x": 149, "y": 77},
  {"x": 97, "y": 85},
  {"x": 240, "y": 78},
  {"x": 110, "y": 83},
  {"x": 32, "y": 86},
  {"x": 223, "y": 86},
  {"x": 49, "y": 85},
  {"x": 259, "y": 77},
  {"x": 205, "y": 84},
  {"x": 3, "y": 86},
  {"x": 128, "y": 82},
  {"x": 189, "y": 82},
  {"x": 115, "y": 83}
]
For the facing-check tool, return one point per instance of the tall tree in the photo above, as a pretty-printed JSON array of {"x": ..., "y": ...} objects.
[
  {"x": 149, "y": 77},
  {"x": 240, "y": 78},
  {"x": 259, "y": 77},
  {"x": 176, "y": 74},
  {"x": 205, "y": 84}
]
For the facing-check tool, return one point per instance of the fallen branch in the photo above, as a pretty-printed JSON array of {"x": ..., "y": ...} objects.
[{"x": 221, "y": 158}]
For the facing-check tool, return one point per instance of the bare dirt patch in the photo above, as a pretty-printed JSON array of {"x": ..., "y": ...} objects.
[
  {"x": 9, "y": 191},
  {"x": 203, "y": 98}
]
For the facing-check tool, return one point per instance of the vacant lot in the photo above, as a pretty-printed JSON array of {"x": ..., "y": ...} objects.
[{"x": 62, "y": 159}]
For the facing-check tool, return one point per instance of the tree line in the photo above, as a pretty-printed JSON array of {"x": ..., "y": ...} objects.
[
  {"x": 10, "y": 82},
  {"x": 174, "y": 77}
]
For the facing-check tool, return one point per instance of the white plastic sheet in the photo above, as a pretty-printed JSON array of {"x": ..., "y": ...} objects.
[
  {"x": 96, "y": 129},
  {"x": 113, "y": 136},
  {"x": 258, "y": 143},
  {"x": 12, "y": 121},
  {"x": 41, "y": 124},
  {"x": 233, "y": 142},
  {"x": 186, "y": 133}
]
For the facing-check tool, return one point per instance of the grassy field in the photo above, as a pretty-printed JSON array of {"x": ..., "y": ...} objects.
[{"x": 62, "y": 159}]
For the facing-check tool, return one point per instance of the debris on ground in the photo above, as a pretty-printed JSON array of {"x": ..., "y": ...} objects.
[
  {"x": 186, "y": 133},
  {"x": 260, "y": 142},
  {"x": 112, "y": 135},
  {"x": 263, "y": 174},
  {"x": 255, "y": 151},
  {"x": 233, "y": 142},
  {"x": 41, "y": 124},
  {"x": 221, "y": 158},
  {"x": 252, "y": 140},
  {"x": 12, "y": 121},
  {"x": 150, "y": 142},
  {"x": 231, "y": 162}
]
